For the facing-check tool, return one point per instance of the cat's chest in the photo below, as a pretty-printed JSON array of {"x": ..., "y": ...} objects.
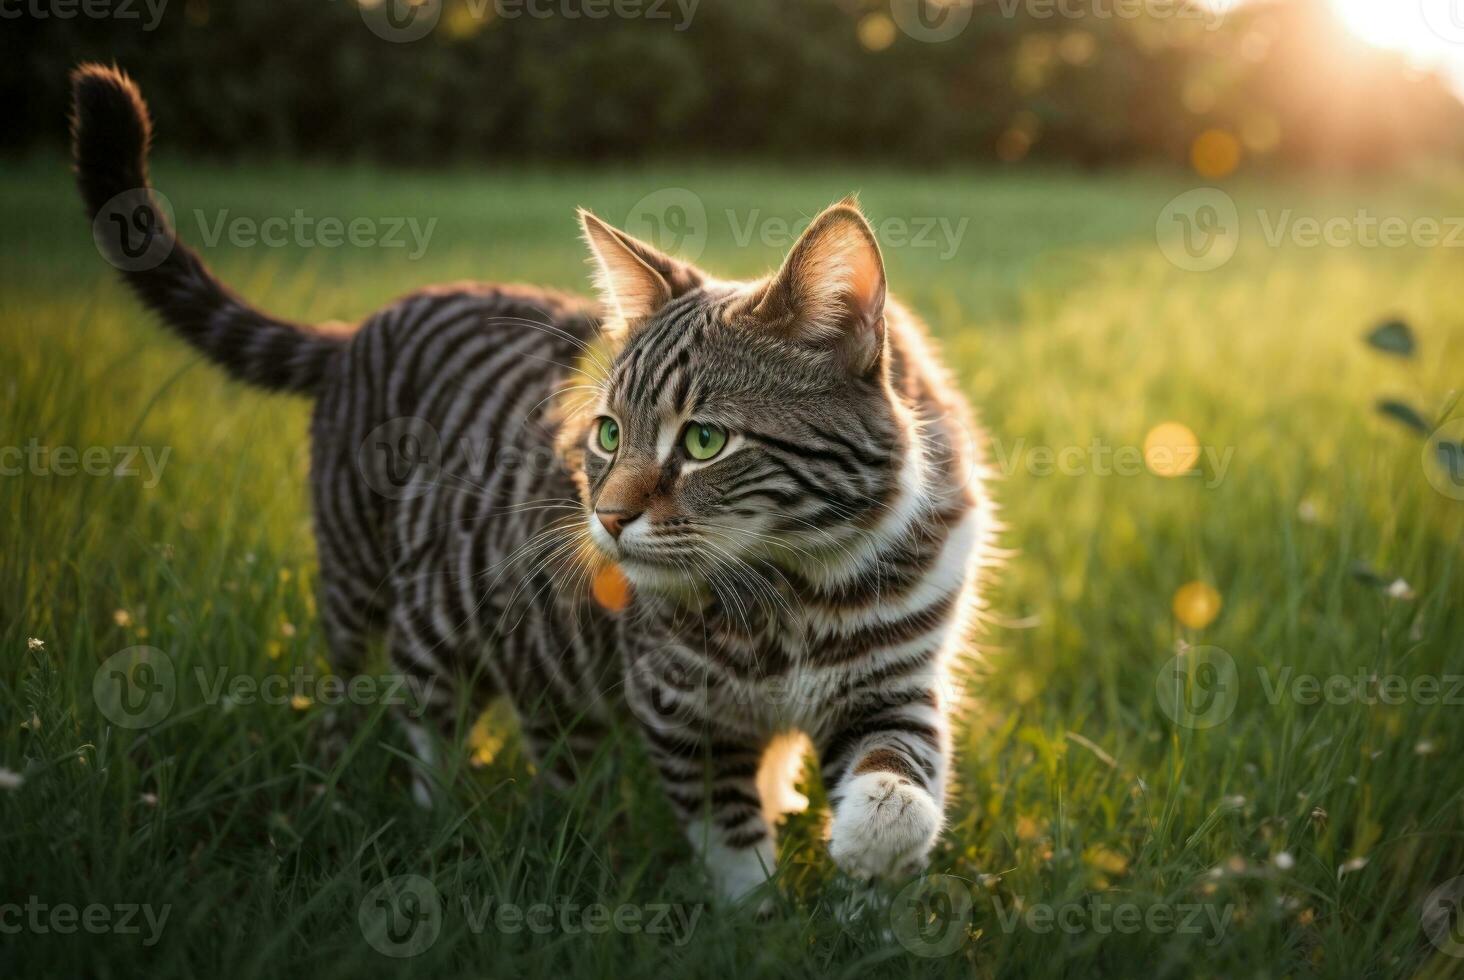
[{"x": 813, "y": 665}]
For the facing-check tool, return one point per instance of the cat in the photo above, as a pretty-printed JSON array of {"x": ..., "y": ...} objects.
[{"x": 782, "y": 471}]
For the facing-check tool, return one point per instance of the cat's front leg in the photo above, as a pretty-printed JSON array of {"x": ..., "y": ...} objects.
[
  {"x": 708, "y": 768},
  {"x": 885, "y": 770}
]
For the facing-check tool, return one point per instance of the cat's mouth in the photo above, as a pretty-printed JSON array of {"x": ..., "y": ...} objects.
[
  {"x": 659, "y": 574},
  {"x": 647, "y": 564}
]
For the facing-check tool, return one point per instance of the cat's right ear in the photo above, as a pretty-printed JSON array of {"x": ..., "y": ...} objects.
[{"x": 634, "y": 279}]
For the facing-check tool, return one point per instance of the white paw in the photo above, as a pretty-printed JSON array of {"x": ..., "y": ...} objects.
[
  {"x": 884, "y": 826},
  {"x": 736, "y": 873}
]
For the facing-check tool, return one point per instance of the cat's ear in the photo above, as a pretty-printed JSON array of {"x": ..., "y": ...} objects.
[
  {"x": 831, "y": 289},
  {"x": 634, "y": 279}
]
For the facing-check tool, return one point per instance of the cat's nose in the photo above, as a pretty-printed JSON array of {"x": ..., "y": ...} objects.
[{"x": 614, "y": 521}]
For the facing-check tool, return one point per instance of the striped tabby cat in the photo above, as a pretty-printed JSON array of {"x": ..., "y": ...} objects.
[{"x": 781, "y": 469}]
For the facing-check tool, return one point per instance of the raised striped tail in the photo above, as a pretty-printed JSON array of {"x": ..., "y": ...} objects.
[{"x": 133, "y": 230}]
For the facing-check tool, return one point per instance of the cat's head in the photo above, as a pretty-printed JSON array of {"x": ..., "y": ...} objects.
[{"x": 740, "y": 424}]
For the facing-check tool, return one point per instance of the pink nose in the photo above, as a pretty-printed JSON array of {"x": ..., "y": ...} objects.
[{"x": 614, "y": 521}]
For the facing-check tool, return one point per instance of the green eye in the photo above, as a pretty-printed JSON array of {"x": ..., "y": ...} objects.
[
  {"x": 609, "y": 434},
  {"x": 704, "y": 441}
]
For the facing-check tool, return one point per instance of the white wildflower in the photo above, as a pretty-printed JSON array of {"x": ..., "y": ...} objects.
[{"x": 1401, "y": 590}]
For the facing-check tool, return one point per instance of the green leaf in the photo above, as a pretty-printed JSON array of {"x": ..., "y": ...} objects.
[
  {"x": 1400, "y": 412},
  {"x": 1393, "y": 337}
]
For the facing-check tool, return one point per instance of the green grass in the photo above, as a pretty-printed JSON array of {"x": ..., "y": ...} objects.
[{"x": 1063, "y": 322}]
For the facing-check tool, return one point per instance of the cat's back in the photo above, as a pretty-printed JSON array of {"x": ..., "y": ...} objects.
[
  {"x": 437, "y": 351},
  {"x": 439, "y": 411},
  {"x": 439, "y": 339}
]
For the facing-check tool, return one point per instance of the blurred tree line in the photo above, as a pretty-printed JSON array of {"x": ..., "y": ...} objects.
[{"x": 1081, "y": 81}]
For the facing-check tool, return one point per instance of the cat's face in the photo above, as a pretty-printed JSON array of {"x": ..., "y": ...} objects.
[{"x": 740, "y": 423}]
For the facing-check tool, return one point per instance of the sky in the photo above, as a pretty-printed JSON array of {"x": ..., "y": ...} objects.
[{"x": 1429, "y": 32}]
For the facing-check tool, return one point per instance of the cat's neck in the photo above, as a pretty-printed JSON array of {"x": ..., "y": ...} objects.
[{"x": 859, "y": 548}]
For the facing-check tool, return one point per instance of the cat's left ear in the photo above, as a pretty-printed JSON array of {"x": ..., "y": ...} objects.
[
  {"x": 830, "y": 291},
  {"x": 634, "y": 279}
]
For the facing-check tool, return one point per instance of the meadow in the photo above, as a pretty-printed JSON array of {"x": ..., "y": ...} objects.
[{"x": 1267, "y": 825}]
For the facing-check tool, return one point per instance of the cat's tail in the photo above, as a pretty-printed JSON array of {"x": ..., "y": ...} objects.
[{"x": 110, "y": 133}]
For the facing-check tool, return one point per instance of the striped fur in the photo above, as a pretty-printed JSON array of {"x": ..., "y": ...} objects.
[{"x": 812, "y": 580}]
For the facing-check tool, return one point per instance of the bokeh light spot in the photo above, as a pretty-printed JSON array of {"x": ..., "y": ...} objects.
[
  {"x": 1077, "y": 47},
  {"x": 876, "y": 32},
  {"x": 1196, "y": 604},
  {"x": 1215, "y": 154},
  {"x": 1261, "y": 133},
  {"x": 1171, "y": 449}
]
